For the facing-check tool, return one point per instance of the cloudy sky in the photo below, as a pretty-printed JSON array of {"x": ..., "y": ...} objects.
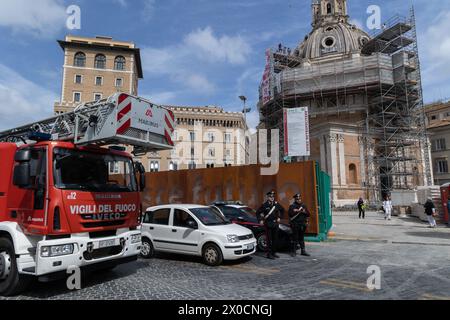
[{"x": 195, "y": 52}]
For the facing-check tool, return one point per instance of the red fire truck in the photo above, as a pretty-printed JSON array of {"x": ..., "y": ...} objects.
[{"x": 69, "y": 196}]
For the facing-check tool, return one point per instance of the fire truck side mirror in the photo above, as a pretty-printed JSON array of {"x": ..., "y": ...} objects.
[
  {"x": 23, "y": 155},
  {"x": 21, "y": 177},
  {"x": 141, "y": 170}
]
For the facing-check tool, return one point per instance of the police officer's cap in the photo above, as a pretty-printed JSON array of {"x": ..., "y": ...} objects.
[
  {"x": 271, "y": 193},
  {"x": 297, "y": 196}
]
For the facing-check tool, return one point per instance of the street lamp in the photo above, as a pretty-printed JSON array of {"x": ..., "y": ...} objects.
[{"x": 245, "y": 110}]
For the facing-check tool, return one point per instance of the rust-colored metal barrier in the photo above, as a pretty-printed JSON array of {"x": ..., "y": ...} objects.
[{"x": 246, "y": 184}]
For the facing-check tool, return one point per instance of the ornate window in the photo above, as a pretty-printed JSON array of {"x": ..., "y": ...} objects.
[
  {"x": 100, "y": 61},
  {"x": 79, "y": 59},
  {"x": 329, "y": 8},
  {"x": 119, "y": 63},
  {"x": 329, "y": 42},
  {"x": 363, "y": 40}
]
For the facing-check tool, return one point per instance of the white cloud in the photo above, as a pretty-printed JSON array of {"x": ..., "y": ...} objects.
[
  {"x": 123, "y": 3},
  {"x": 22, "y": 101},
  {"x": 162, "y": 98},
  {"x": 434, "y": 45},
  {"x": 189, "y": 62},
  {"x": 234, "y": 50},
  {"x": 149, "y": 9},
  {"x": 201, "y": 83},
  {"x": 41, "y": 18}
]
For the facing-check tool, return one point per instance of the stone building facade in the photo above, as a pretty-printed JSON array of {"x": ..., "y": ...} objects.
[
  {"x": 438, "y": 124},
  {"x": 95, "y": 68},
  {"x": 205, "y": 137}
]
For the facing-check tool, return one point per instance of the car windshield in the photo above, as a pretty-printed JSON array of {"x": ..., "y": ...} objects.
[
  {"x": 209, "y": 217},
  {"x": 93, "y": 172},
  {"x": 248, "y": 213}
]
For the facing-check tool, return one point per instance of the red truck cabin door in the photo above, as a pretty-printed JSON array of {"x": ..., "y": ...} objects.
[{"x": 30, "y": 201}]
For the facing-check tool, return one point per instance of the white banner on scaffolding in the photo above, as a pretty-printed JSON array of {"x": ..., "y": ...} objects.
[
  {"x": 266, "y": 85},
  {"x": 296, "y": 132}
]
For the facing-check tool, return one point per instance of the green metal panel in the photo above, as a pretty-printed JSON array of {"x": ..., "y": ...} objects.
[{"x": 325, "y": 211}]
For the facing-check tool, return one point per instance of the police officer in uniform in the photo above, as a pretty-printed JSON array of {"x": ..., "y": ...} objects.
[
  {"x": 270, "y": 215},
  {"x": 299, "y": 218}
]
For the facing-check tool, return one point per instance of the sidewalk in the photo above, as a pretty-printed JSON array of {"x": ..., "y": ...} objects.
[{"x": 409, "y": 230}]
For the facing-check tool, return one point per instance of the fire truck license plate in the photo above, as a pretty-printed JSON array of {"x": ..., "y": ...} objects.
[{"x": 107, "y": 243}]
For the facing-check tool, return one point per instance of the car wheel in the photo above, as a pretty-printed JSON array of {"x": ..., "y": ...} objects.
[
  {"x": 147, "y": 250},
  {"x": 11, "y": 282},
  {"x": 262, "y": 242},
  {"x": 212, "y": 255}
]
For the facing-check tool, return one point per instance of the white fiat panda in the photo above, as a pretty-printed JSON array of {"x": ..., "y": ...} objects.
[{"x": 194, "y": 230}]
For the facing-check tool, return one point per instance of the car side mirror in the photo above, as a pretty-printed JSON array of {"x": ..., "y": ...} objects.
[
  {"x": 21, "y": 176},
  {"x": 192, "y": 224},
  {"x": 241, "y": 219}
]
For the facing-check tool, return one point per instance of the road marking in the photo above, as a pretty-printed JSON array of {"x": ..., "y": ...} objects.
[
  {"x": 346, "y": 284},
  {"x": 427, "y": 296}
]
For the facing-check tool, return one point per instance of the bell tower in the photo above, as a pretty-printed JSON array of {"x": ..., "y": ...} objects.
[{"x": 329, "y": 11}]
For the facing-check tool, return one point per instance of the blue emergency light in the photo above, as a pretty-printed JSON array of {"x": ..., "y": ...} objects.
[{"x": 39, "y": 136}]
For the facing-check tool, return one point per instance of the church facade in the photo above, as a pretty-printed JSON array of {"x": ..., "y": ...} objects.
[{"x": 345, "y": 78}]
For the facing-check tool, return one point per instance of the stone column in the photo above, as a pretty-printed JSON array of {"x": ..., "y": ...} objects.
[
  {"x": 362, "y": 159},
  {"x": 323, "y": 153},
  {"x": 342, "y": 165},
  {"x": 332, "y": 158}
]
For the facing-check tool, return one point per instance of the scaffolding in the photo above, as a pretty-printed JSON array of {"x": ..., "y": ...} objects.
[
  {"x": 396, "y": 127},
  {"x": 384, "y": 82}
]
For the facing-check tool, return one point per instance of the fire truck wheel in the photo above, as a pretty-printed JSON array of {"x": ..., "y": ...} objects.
[
  {"x": 11, "y": 282},
  {"x": 212, "y": 256},
  {"x": 147, "y": 250}
]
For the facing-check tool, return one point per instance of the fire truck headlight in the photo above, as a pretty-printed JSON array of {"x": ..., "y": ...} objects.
[
  {"x": 56, "y": 251},
  {"x": 136, "y": 238}
]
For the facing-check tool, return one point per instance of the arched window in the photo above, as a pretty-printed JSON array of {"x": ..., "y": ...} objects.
[
  {"x": 329, "y": 9},
  {"x": 119, "y": 63},
  {"x": 173, "y": 166},
  {"x": 353, "y": 174},
  {"x": 100, "y": 61},
  {"x": 79, "y": 59}
]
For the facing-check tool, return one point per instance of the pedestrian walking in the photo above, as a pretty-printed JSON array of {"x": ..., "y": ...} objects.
[
  {"x": 269, "y": 215},
  {"x": 361, "y": 208},
  {"x": 298, "y": 218},
  {"x": 430, "y": 211},
  {"x": 387, "y": 206}
]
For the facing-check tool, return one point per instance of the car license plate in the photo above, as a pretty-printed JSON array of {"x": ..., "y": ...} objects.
[
  {"x": 250, "y": 247},
  {"x": 107, "y": 243}
]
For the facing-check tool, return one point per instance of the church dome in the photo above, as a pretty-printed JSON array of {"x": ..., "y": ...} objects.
[
  {"x": 332, "y": 33},
  {"x": 336, "y": 38}
]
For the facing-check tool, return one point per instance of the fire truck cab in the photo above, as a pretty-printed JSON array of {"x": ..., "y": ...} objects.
[{"x": 65, "y": 205}]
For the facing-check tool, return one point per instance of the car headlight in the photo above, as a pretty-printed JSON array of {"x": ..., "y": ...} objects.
[
  {"x": 57, "y": 251},
  {"x": 136, "y": 238},
  {"x": 233, "y": 238}
]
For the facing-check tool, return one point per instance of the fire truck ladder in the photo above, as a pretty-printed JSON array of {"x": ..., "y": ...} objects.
[{"x": 119, "y": 119}]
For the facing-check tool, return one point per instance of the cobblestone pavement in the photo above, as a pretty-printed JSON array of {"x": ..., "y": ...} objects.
[{"x": 414, "y": 263}]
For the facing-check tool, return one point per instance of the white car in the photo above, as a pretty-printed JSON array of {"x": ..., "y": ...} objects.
[{"x": 194, "y": 230}]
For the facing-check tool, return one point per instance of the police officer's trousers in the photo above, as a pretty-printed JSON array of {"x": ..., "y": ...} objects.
[
  {"x": 298, "y": 236},
  {"x": 272, "y": 239}
]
